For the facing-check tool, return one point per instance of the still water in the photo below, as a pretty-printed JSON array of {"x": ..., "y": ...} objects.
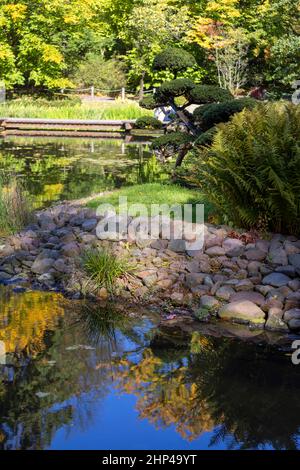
[
  {"x": 53, "y": 169},
  {"x": 87, "y": 377}
]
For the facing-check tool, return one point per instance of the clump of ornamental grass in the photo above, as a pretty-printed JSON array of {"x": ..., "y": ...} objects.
[
  {"x": 104, "y": 267},
  {"x": 15, "y": 208}
]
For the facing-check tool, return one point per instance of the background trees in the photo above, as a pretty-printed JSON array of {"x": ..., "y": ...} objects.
[{"x": 236, "y": 44}]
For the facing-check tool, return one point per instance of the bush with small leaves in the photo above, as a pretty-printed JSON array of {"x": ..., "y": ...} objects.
[
  {"x": 174, "y": 88},
  {"x": 209, "y": 115},
  {"x": 174, "y": 140},
  {"x": 174, "y": 59},
  {"x": 148, "y": 122},
  {"x": 251, "y": 172},
  {"x": 149, "y": 102},
  {"x": 202, "y": 94}
]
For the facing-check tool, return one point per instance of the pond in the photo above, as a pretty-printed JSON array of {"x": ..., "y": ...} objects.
[
  {"x": 80, "y": 376},
  {"x": 53, "y": 169}
]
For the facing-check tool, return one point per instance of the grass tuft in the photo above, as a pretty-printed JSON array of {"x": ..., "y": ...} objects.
[
  {"x": 15, "y": 208},
  {"x": 104, "y": 267}
]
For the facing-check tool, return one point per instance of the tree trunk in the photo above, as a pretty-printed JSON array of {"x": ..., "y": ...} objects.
[
  {"x": 141, "y": 92},
  {"x": 181, "y": 154}
]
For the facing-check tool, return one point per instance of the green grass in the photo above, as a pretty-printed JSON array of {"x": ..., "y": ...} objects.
[
  {"x": 104, "y": 267},
  {"x": 68, "y": 109},
  {"x": 153, "y": 193}
]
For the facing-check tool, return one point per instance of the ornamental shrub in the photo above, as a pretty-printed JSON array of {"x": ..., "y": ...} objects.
[
  {"x": 173, "y": 139},
  {"x": 202, "y": 94},
  {"x": 209, "y": 115},
  {"x": 148, "y": 122},
  {"x": 174, "y": 88},
  {"x": 174, "y": 59},
  {"x": 252, "y": 170}
]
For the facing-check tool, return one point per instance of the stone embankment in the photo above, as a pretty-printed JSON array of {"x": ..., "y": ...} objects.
[{"x": 235, "y": 277}]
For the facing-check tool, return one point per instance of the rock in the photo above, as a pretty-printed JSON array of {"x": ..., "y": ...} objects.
[
  {"x": 200, "y": 290},
  {"x": 165, "y": 283},
  {"x": 194, "y": 279},
  {"x": 77, "y": 220},
  {"x": 292, "y": 301},
  {"x": 41, "y": 266},
  {"x": 208, "y": 281},
  {"x": 294, "y": 313},
  {"x": 276, "y": 280},
  {"x": 233, "y": 247},
  {"x": 243, "y": 311},
  {"x": 250, "y": 296},
  {"x": 288, "y": 270},
  {"x": 177, "y": 297},
  {"x": 159, "y": 244},
  {"x": 68, "y": 238},
  {"x": 70, "y": 250},
  {"x": 294, "y": 284},
  {"x": 294, "y": 324},
  {"x": 244, "y": 285},
  {"x": 212, "y": 241},
  {"x": 149, "y": 277},
  {"x": 177, "y": 245},
  {"x": 225, "y": 293},
  {"x": 89, "y": 225},
  {"x": 46, "y": 222},
  {"x": 4, "y": 276},
  {"x": 192, "y": 266},
  {"x": 255, "y": 254},
  {"x": 264, "y": 290},
  {"x": 215, "y": 251},
  {"x": 291, "y": 248},
  {"x": 274, "y": 321},
  {"x": 254, "y": 267},
  {"x": 61, "y": 266},
  {"x": 208, "y": 302},
  {"x": 278, "y": 256},
  {"x": 295, "y": 261},
  {"x": 263, "y": 245},
  {"x": 46, "y": 278},
  {"x": 88, "y": 238}
]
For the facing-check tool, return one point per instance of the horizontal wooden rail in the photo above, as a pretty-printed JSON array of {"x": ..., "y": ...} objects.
[{"x": 78, "y": 127}]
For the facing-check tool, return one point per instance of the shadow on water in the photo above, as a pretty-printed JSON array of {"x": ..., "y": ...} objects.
[{"x": 67, "y": 365}]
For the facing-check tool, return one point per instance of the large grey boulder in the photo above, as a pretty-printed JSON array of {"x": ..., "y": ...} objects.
[
  {"x": 276, "y": 279},
  {"x": 243, "y": 311}
]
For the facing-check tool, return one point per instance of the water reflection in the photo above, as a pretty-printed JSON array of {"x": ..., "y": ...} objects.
[
  {"x": 55, "y": 169},
  {"x": 69, "y": 366}
]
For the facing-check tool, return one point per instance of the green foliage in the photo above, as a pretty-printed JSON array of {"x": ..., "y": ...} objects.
[
  {"x": 175, "y": 140},
  {"x": 206, "y": 138},
  {"x": 148, "y": 122},
  {"x": 252, "y": 170},
  {"x": 101, "y": 73},
  {"x": 71, "y": 109},
  {"x": 148, "y": 102},
  {"x": 15, "y": 208},
  {"x": 202, "y": 94},
  {"x": 173, "y": 88},
  {"x": 173, "y": 59},
  {"x": 209, "y": 115},
  {"x": 104, "y": 267}
]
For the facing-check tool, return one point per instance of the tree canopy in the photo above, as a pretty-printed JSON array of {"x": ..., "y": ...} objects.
[{"x": 235, "y": 44}]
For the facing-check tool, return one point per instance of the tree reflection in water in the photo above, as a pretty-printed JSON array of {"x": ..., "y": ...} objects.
[{"x": 65, "y": 359}]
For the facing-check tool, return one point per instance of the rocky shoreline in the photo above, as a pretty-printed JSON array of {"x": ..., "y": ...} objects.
[{"x": 236, "y": 277}]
